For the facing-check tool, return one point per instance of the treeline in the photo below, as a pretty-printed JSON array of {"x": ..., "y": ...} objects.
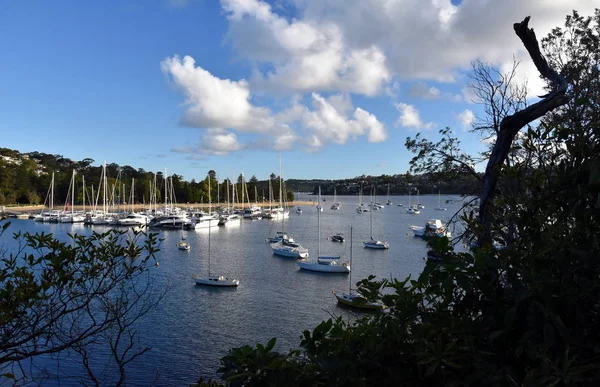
[{"x": 25, "y": 178}]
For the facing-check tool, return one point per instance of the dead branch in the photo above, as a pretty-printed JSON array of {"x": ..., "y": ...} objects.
[{"x": 510, "y": 125}]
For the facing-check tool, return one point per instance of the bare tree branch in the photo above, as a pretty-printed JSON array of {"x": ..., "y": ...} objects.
[{"x": 510, "y": 125}]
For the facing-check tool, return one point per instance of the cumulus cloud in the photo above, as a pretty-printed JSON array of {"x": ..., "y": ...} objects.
[
  {"x": 466, "y": 119},
  {"x": 222, "y": 107},
  {"x": 327, "y": 123},
  {"x": 357, "y": 47},
  {"x": 307, "y": 55},
  {"x": 213, "y": 102},
  {"x": 423, "y": 91},
  {"x": 410, "y": 117}
]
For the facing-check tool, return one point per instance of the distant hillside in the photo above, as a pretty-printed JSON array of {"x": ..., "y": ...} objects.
[{"x": 25, "y": 178}]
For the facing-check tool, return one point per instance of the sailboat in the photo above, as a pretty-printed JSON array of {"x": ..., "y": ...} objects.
[
  {"x": 388, "y": 202},
  {"x": 411, "y": 209},
  {"x": 361, "y": 207},
  {"x": 44, "y": 215},
  {"x": 71, "y": 217},
  {"x": 214, "y": 280},
  {"x": 354, "y": 299},
  {"x": 372, "y": 243},
  {"x": 182, "y": 244},
  {"x": 419, "y": 204},
  {"x": 336, "y": 205},
  {"x": 230, "y": 218},
  {"x": 375, "y": 205},
  {"x": 439, "y": 207},
  {"x": 324, "y": 264},
  {"x": 283, "y": 247}
]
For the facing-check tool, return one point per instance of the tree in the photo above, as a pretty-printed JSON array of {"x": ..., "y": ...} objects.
[{"x": 71, "y": 298}]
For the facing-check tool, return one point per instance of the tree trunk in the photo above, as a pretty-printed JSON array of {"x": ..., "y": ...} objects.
[{"x": 510, "y": 125}]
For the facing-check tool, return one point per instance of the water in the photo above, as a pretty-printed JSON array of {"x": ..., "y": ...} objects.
[{"x": 195, "y": 326}]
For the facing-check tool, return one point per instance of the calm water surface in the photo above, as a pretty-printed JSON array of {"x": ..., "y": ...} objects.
[{"x": 195, "y": 326}]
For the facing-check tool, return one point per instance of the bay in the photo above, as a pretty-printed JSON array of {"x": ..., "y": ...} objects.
[{"x": 195, "y": 326}]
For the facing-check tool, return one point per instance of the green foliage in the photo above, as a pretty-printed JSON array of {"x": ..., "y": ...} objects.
[{"x": 72, "y": 297}]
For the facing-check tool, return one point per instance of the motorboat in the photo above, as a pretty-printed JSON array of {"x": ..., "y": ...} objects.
[
  {"x": 133, "y": 220},
  {"x": 432, "y": 228},
  {"x": 413, "y": 210},
  {"x": 337, "y": 238},
  {"x": 284, "y": 250}
]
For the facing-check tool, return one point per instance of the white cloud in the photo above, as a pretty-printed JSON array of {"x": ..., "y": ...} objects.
[
  {"x": 358, "y": 47},
  {"x": 466, "y": 119},
  {"x": 327, "y": 123},
  {"x": 307, "y": 55},
  {"x": 410, "y": 117},
  {"x": 216, "y": 104},
  {"x": 219, "y": 142},
  {"x": 424, "y": 91},
  {"x": 212, "y": 102}
]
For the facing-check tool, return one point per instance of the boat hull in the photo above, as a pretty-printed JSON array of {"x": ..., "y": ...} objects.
[
  {"x": 376, "y": 245},
  {"x": 355, "y": 301},
  {"x": 216, "y": 281},
  {"x": 289, "y": 252},
  {"x": 324, "y": 268}
]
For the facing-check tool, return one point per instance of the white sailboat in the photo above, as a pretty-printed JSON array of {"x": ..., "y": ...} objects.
[
  {"x": 354, "y": 299},
  {"x": 361, "y": 207},
  {"x": 230, "y": 218},
  {"x": 372, "y": 243},
  {"x": 44, "y": 215},
  {"x": 284, "y": 248},
  {"x": 183, "y": 244},
  {"x": 439, "y": 207},
  {"x": 420, "y": 206},
  {"x": 71, "y": 217},
  {"x": 132, "y": 219},
  {"x": 336, "y": 205},
  {"x": 411, "y": 209},
  {"x": 323, "y": 264},
  {"x": 388, "y": 202},
  {"x": 214, "y": 280}
]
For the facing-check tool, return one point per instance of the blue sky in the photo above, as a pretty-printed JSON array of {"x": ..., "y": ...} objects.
[{"x": 335, "y": 86}]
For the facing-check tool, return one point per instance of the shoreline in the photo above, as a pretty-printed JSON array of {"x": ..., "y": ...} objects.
[{"x": 20, "y": 209}]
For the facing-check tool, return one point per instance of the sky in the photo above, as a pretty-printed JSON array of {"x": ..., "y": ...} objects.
[{"x": 333, "y": 86}]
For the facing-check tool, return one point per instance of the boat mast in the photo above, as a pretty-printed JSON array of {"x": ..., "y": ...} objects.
[
  {"x": 281, "y": 198},
  {"x": 72, "y": 194},
  {"x": 166, "y": 190},
  {"x": 83, "y": 179},
  {"x": 371, "y": 222},
  {"x": 105, "y": 185},
  {"x": 319, "y": 227},
  {"x": 132, "y": 194},
  {"x": 52, "y": 193},
  {"x": 209, "y": 204},
  {"x": 227, "y": 189},
  {"x": 350, "y": 273}
]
